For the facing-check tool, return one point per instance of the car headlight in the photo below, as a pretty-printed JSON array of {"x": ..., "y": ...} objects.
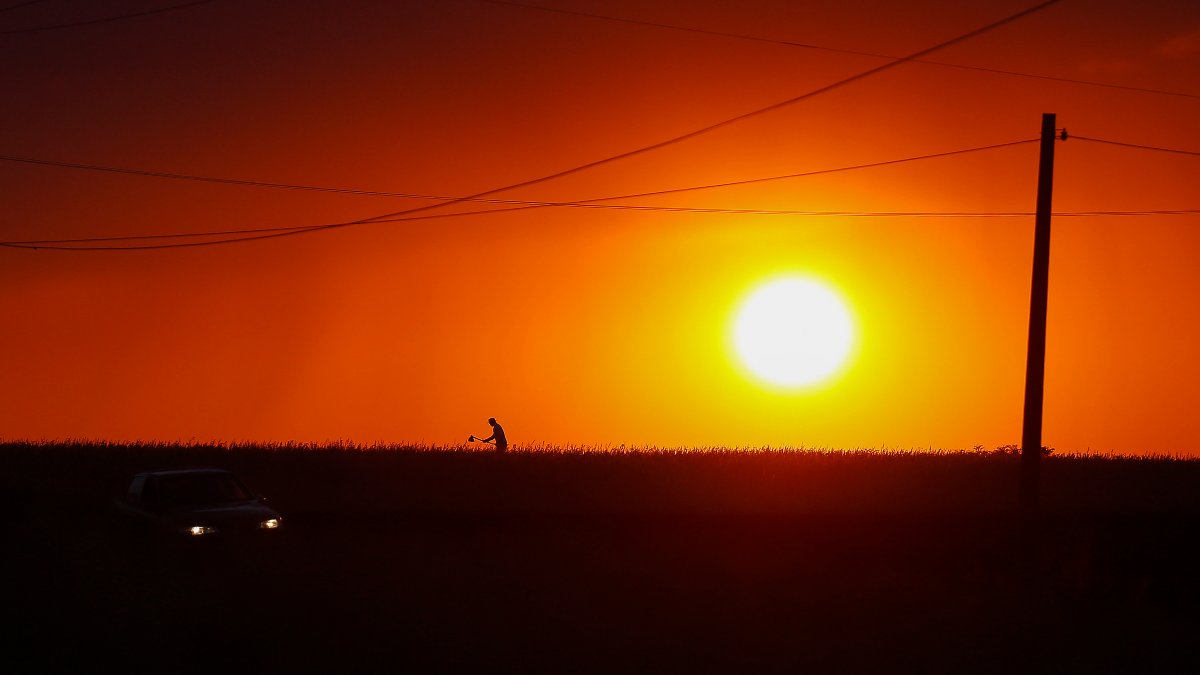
[
  {"x": 200, "y": 530},
  {"x": 269, "y": 524}
]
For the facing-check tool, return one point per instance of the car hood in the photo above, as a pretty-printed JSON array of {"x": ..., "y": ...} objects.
[{"x": 245, "y": 514}]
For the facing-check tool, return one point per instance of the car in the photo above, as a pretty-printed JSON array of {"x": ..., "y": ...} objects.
[{"x": 198, "y": 503}]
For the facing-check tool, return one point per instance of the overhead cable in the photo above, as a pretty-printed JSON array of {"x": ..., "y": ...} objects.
[
  {"x": 741, "y": 117},
  {"x": 655, "y": 146},
  {"x": 61, "y": 244},
  {"x": 107, "y": 19},
  {"x": 818, "y": 172},
  {"x": 408, "y": 195},
  {"x": 18, "y": 5},
  {"x": 1139, "y": 146},
  {"x": 836, "y": 50},
  {"x": 594, "y": 202}
]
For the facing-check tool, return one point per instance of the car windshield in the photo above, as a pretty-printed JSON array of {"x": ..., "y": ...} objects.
[{"x": 203, "y": 488}]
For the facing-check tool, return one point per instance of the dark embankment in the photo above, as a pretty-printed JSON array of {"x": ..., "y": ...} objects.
[{"x": 415, "y": 560}]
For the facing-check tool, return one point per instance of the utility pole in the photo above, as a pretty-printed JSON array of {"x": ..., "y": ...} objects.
[{"x": 1035, "y": 366}]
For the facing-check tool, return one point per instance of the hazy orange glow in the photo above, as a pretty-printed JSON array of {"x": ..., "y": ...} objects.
[{"x": 595, "y": 326}]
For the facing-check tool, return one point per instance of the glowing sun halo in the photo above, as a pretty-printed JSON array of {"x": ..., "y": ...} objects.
[{"x": 793, "y": 332}]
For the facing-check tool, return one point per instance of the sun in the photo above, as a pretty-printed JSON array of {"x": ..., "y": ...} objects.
[{"x": 793, "y": 332}]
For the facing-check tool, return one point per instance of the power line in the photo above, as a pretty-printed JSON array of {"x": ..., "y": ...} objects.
[
  {"x": 213, "y": 179},
  {"x": 140, "y": 237},
  {"x": 211, "y": 233},
  {"x": 408, "y": 195},
  {"x": 817, "y": 172},
  {"x": 593, "y": 203},
  {"x": 863, "y": 214},
  {"x": 739, "y": 118},
  {"x": 108, "y": 19},
  {"x": 264, "y": 233},
  {"x": 853, "y": 52},
  {"x": 57, "y": 244},
  {"x": 661, "y": 144},
  {"x": 520, "y": 204},
  {"x": 19, "y": 5},
  {"x": 1138, "y": 146}
]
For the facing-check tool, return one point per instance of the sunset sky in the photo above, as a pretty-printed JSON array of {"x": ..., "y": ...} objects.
[{"x": 587, "y": 325}]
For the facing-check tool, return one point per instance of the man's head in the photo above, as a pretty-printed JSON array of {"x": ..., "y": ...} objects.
[{"x": 492, "y": 421}]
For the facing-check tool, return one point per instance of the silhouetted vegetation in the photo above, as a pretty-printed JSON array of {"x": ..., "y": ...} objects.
[
  {"x": 613, "y": 559},
  {"x": 1014, "y": 449}
]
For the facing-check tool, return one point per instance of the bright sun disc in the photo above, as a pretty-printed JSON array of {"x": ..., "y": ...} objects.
[{"x": 793, "y": 332}]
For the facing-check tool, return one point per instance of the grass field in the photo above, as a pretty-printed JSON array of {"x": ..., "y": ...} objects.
[{"x": 449, "y": 560}]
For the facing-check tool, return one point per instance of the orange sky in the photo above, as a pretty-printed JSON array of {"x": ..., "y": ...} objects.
[{"x": 582, "y": 326}]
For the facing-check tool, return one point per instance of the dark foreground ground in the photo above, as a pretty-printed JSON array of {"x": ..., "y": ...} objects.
[{"x": 538, "y": 562}]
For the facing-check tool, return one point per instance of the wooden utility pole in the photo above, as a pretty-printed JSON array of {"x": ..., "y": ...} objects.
[{"x": 1035, "y": 366}]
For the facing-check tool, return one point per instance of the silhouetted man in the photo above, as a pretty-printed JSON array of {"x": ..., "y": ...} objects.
[{"x": 497, "y": 435}]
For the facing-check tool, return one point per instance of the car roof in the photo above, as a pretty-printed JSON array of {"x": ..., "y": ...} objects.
[{"x": 190, "y": 471}]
